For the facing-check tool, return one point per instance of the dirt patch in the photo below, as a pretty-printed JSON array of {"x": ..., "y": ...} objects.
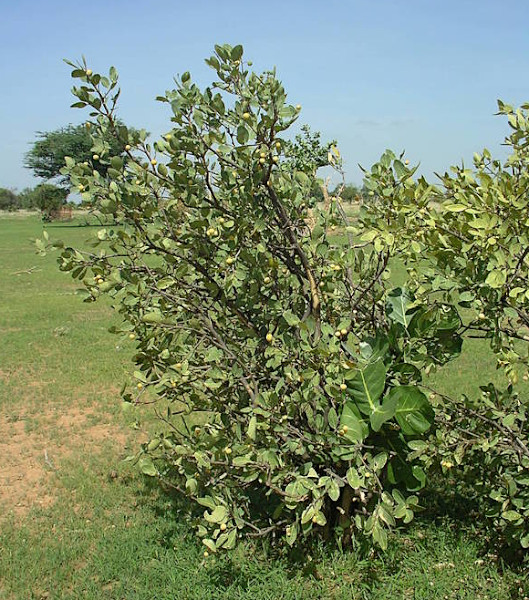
[{"x": 33, "y": 450}]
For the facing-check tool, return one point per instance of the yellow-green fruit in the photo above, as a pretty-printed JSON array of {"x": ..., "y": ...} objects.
[
  {"x": 223, "y": 527},
  {"x": 132, "y": 336},
  {"x": 275, "y": 159},
  {"x": 267, "y": 279},
  {"x": 178, "y": 365},
  {"x": 338, "y": 334},
  {"x": 139, "y": 386},
  {"x": 262, "y": 155},
  {"x": 278, "y": 145},
  {"x": 88, "y": 72},
  {"x": 230, "y": 260},
  {"x": 227, "y": 450},
  {"x": 298, "y": 106},
  {"x": 262, "y": 161},
  {"x": 127, "y": 147},
  {"x": 206, "y": 554},
  {"x": 95, "y": 157},
  {"x": 269, "y": 337},
  {"x": 343, "y": 331},
  {"x": 246, "y": 116},
  {"x": 343, "y": 387},
  {"x": 154, "y": 162},
  {"x": 345, "y": 429}
]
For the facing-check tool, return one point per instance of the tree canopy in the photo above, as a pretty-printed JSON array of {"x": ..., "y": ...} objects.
[{"x": 47, "y": 156}]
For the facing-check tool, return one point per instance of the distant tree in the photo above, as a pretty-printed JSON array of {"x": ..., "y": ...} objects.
[
  {"x": 46, "y": 158},
  {"x": 9, "y": 200},
  {"x": 350, "y": 193},
  {"x": 27, "y": 198},
  {"x": 48, "y": 198}
]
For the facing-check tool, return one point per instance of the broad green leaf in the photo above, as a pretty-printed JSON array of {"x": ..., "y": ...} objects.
[
  {"x": 366, "y": 386},
  {"x": 398, "y": 304},
  {"x": 147, "y": 466},
  {"x": 218, "y": 515},
  {"x": 357, "y": 428},
  {"x": 383, "y": 412},
  {"x": 413, "y": 411}
]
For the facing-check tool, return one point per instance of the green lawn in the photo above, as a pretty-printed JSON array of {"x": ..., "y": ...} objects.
[{"x": 77, "y": 522}]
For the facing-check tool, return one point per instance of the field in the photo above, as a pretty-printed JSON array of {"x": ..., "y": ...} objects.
[{"x": 78, "y": 522}]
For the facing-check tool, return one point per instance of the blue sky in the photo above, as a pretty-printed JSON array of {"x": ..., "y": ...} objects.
[{"x": 416, "y": 75}]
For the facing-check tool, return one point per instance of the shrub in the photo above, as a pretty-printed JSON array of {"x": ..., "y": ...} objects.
[
  {"x": 284, "y": 367},
  {"x": 48, "y": 198},
  {"x": 466, "y": 241},
  {"x": 9, "y": 200}
]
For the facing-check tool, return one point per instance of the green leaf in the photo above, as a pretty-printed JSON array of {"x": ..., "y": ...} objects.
[
  {"x": 218, "y": 515},
  {"x": 333, "y": 490},
  {"x": 353, "y": 478},
  {"x": 511, "y": 515},
  {"x": 400, "y": 169},
  {"x": 152, "y": 317},
  {"x": 366, "y": 386},
  {"x": 147, "y": 466},
  {"x": 357, "y": 428},
  {"x": 252, "y": 428},
  {"x": 242, "y": 134},
  {"x": 413, "y": 411},
  {"x": 236, "y": 52},
  {"x": 383, "y": 412},
  {"x": 397, "y": 305}
]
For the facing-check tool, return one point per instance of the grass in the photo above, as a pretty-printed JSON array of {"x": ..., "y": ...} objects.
[{"x": 77, "y": 522}]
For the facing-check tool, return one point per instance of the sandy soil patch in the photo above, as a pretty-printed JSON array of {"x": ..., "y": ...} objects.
[{"x": 33, "y": 450}]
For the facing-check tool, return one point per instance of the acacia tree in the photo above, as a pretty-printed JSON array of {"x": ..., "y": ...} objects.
[
  {"x": 283, "y": 365},
  {"x": 48, "y": 153}
]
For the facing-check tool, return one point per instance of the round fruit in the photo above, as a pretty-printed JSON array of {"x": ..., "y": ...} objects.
[
  {"x": 88, "y": 72},
  {"x": 343, "y": 331},
  {"x": 140, "y": 386},
  {"x": 127, "y": 147},
  {"x": 267, "y": 280},
  {"x": 246, "y": 116},
  {"x": 278, "y": 145},
  {"x": 298, "y": 106},
  {"x": 269, "y": 338},
  {"x": 153, "y": 162},
  {"x": 227, "y": 450},
  {"x": 206, "y": 554},
  {"x": 343, "y": 387},
  {"x": 95, "y": 157},
  {"x": 275, "y": 159},
  {"x": 223, "y": 527},
  {"x": 132, "y": 336},
  {"x": 230, "y": 260}
]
